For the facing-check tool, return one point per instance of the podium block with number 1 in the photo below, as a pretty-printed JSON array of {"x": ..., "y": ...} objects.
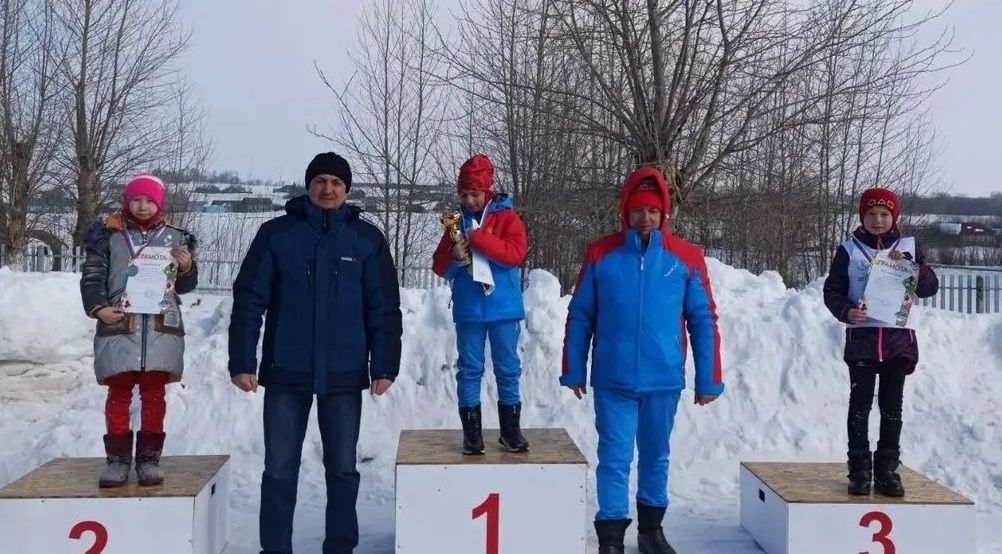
[{"x": 498, "y": 503}]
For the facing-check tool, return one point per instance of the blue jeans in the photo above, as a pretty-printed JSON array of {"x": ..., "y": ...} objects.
[
  {"x": 623, "y": 419},
  {"x": 285, "y": 419},
  {"x": 471, "y": 338}
]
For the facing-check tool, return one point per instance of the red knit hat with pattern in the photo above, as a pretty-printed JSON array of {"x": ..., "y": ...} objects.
[{"x": 879, "y": 197}]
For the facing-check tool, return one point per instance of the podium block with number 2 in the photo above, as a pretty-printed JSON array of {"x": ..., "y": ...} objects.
[
  {"x": 803, "y": 507},
  {"x": 59, "y": 509},
  {"x": 498, "y": 503}
]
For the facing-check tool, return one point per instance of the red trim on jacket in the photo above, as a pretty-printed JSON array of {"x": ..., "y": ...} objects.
[
  {"x": 502, "y": 238},
  {"x": 442, "y": 257},
  {"x": 692, "y": 256}
]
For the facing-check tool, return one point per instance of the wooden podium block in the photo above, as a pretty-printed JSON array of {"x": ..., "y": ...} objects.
[
  {"x": 59, "y": 509},
  {"x": 791, "y": 508},
  {"x": 498, "y": 503}
]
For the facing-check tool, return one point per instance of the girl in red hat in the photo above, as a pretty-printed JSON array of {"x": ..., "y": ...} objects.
[
  {"x": 875, "y": 347},
  {"x": 486, "y": 311},
  {"x": 136, "y": 349}
]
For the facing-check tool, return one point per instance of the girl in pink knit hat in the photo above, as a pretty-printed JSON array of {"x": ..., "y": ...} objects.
[{"x": 133, "y": 348}]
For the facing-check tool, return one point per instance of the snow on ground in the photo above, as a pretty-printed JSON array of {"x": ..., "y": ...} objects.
[{"x": 786, "y": 399}]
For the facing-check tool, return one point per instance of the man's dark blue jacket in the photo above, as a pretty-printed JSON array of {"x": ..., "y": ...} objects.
[{"x": 328, "y": 285}]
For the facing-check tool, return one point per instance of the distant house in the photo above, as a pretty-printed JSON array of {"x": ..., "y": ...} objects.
[
  {"x": 290, "y": 191},
  {"x": 255, "y": 204}
]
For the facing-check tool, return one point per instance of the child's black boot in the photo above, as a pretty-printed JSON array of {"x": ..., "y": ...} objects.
[
  {"x": 860, "y": 472},
  {"x": 886, "y": 480}
]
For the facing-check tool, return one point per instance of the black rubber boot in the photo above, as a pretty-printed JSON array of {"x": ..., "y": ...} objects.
[
  {"x": 473, "y": 437},
  {"x": 650, "y": 536},
  {"x": 611, "y": 534},
  {"x": 886, "y": 480},
  {"x": 511, "y": 431},
  {"x": 860, "y": 472}
]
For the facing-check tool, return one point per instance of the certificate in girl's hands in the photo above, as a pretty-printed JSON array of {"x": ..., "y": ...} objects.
[
  {"x": 150, "y": 277},
  {"x": 890, "y": 289}
]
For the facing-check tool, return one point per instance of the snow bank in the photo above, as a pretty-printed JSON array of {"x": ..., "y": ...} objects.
[{"x": 786, "y": 399}]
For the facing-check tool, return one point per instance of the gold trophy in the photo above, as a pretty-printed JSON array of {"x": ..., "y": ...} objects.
[{"x": 452, "y": 222}]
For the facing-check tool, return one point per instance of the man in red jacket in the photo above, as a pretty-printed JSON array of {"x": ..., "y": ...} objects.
[{"x": 495, "y": 236}]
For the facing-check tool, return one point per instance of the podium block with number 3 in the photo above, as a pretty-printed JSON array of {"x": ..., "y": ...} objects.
[
  {"x": 498, "y": 503},
  {"x": 803, "y": 507},
  {"x": 59, "y": 509}
]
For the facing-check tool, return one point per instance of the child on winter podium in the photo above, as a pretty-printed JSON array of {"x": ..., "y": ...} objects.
[
  {"x": 638, "y": 292},
  {"x": 494, "y": 243},
  {"x": 874, "y": 347},
  {"x": 132, "y": 349}
]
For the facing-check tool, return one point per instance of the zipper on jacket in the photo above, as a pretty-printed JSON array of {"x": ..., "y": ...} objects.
[
  {"x": 337, "y": 272},
  {"x": 309, "y": 277},
  {"x": 880, "y": 344},
  {"x": 640, "y": 312},
  {"x": 142, "y": 351}
]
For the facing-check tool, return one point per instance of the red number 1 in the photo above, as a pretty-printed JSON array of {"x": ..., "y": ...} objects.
[
  {"x": 100, "y": 535},
  {"x": 883, "y": 533},
  {"x": 491, "y": 507}
]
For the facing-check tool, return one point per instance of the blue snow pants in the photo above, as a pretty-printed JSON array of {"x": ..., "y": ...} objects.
[{"x": 625, "y": 418}]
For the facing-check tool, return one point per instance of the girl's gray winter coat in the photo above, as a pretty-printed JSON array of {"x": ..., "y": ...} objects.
[{"x": 138, "y": 342}]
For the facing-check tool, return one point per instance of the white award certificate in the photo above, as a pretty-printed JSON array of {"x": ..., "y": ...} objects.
[
  {"x": 150, "y": 275},
  {"x": 890, "y": 289}
]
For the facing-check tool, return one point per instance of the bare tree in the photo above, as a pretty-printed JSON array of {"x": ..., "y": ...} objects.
[
  {"x": 505, "y": 63},
  {"x": 391, "y": 122},
  {"x": 747, "y": 102},
  {"x": 188, "y": 153},
  {"x": 121, "y": 60},
  {"x": 28, "y": 58}
]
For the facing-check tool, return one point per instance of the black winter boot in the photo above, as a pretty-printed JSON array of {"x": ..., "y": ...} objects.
[
  {"x": 886, "y": 480},
  {"x": 118, "y": 449},
  {"x": 148, "y": 449},
  {"x": 473, "y": 438},
  {"x": 650, "y": 536},
  {"x": 511, "y": 431},
  {"x": 611, "y": 534},
  {"x": 860, "y": 472}
]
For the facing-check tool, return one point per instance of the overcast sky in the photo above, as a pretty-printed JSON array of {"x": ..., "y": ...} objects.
[{"x": 251, "y": 64}]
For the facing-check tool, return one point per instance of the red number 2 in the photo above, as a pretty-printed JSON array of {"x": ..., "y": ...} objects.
[
  {"x": 100, "y": 535},
  {"x": 491, "y": 507},
  {"x": 883, "y": 533}
]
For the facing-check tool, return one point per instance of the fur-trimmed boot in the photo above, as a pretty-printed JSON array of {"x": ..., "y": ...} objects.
[
  {"x": 148, "y": 449},
  {"x": 118, "y": 449}
]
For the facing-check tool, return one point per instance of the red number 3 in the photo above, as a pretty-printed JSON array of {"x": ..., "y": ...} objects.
[
  {"x": 100, "y": 535},
  {"x": 490, "y": 508},
  {"x": 883, "y": 533}
]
